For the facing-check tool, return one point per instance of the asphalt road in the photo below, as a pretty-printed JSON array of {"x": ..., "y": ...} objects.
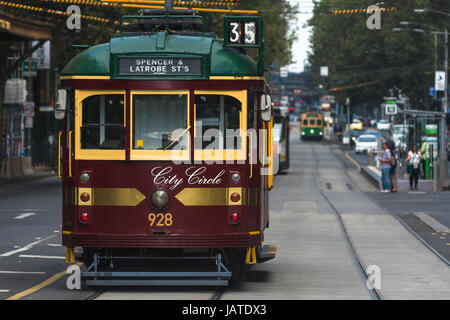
[
  {"x": 30, "y": 238},
  {"x": 313, "y": 260}
]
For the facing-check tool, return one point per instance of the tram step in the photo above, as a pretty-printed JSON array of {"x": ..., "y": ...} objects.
[{"x": 268, "y": 252}]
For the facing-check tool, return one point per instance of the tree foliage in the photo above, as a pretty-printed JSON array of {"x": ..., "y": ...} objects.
[{"x": 382, "y": 57}]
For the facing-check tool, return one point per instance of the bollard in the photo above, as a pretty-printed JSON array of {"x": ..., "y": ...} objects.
[
  {"x": 369, "y": 157},
  {"x": 16, "y": 167},
  {"x": 27, "y": 168}
]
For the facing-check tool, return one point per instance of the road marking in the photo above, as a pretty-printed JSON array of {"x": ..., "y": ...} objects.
[
  {"x": 54, "y": 245},
  {"x": 431, "y": 222},
  {"x": 24, "y": 215},
  {"x": 22, "y": 272},
  {"x": 4, "y": 290},
  {"x": 347, "y": 155},
  {"x": 40, "y": 257},
  {"x": 41, "y": 285},
  {"x": 27, "y": 247}
]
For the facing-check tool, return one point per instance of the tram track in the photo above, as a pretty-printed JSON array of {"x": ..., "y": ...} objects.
[
  {"x": 375, "y": 293},
  {"x": 406, "y": 226}
]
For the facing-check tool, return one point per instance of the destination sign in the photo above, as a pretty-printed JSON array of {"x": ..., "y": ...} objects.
[{"x": 160, "y": 66}]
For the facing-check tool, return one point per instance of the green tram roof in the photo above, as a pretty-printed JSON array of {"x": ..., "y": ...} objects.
[{"x": 217, "y": 60}]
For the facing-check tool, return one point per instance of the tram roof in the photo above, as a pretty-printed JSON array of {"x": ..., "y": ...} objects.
[{"x": 216, "y": 60}]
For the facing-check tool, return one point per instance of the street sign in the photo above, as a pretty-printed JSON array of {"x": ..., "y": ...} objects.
[
  {"x": 431, "y": 129},
  {"x": 324, "y": 71},
  {"x": 390, "y": 107},
  {"x": 28, "y": 109},
  {"x": 46, "y": 109},
  {"x": 29, "y": 68},
  {"x": 439, "y": 80},
  {"x": 42, "y": 55},
  {"x": 284, "y": 72},
  {"x": 432, "y": 92}
]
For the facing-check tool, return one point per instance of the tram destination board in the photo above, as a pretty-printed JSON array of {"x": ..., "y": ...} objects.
[{"x": 160, "y": 66}]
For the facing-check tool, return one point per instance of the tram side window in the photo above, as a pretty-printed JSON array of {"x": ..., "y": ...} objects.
[
  {"x": 218, "y": 122},
  {"x": 305, "y": 122},
  {"x": 160, "y": 121},
  {"x": 319, "y": 122},
  {"x": 103, "y": 122}
]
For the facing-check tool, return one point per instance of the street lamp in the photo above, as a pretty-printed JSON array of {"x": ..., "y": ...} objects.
[
  {"x": 431, "y": 10},
  {"x": 445, "y": 102},
  {"x": 443, "y": 162}
]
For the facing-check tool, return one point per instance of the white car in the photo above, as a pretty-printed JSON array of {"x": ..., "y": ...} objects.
[
  {"x": 366, "y": 142},
  {"x": 383, "y": 125}
]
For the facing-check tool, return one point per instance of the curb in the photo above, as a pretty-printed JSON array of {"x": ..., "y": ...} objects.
[
  {"x": 369, "y": 175},
  {"x": 17, "y": 180}
]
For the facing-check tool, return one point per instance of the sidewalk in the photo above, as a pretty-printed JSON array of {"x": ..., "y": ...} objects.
[
  {"x": 39, "y": 173},
  {"x": 424, "y": 212},
  {"x": 374, "y": 175}
]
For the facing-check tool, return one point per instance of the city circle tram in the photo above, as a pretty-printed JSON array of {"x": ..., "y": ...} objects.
[
  {"x": 311, "y": 125},
  {"x": 166, "y": 153}
]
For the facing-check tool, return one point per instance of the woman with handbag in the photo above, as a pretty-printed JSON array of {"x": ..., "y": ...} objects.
[{"x": 413, "y": 166}]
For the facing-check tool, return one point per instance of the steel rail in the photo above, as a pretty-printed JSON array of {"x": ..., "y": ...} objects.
[
  {"x": 365, "y": 194},
  {"x": 375, "y": 293}
]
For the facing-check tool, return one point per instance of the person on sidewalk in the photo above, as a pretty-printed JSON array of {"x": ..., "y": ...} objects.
[
  {"x": 413, "y": 166},
  {"x": 392, "y": 177},
  {"x": 386, "y": 168}
]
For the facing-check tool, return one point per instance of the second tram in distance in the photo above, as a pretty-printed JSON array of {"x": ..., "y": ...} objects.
[{"x": 311, "y": 125}]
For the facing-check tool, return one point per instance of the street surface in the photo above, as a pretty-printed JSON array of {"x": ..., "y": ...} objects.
[{"x": 313, "y": 260}]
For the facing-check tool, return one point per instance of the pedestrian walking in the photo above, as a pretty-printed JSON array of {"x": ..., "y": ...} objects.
[
  {"x": 413, "y": 166},
  {"x": 386, "y": 160}
]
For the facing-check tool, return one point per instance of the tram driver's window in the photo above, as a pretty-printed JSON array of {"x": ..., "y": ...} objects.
[
  {"x": 102, "y": 122},
  {"x": 218, "y": 122},
  {"x": 160, "y": 121},
  {"x": 312, "y": 122}
]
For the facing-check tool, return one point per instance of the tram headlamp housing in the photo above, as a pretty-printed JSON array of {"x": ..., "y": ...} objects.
[
  {"x": 84, "y": 177},
  {"x": 160, "y": 199},
  {"x": 236, "y": 177}
]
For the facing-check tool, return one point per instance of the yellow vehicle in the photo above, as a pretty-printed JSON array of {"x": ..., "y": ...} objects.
[
  {"x": 311, "y": 125},
  {"x": 356, "y": 125}
]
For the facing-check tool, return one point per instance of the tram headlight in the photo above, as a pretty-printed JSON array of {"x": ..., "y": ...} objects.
[
  {"x": 160, "y": 198},
  {"x": 236, "y": 177},
  {"x": 84, "y": 177}
]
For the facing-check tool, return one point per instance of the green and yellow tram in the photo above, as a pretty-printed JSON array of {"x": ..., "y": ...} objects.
[{"x": 311, "y": 125}]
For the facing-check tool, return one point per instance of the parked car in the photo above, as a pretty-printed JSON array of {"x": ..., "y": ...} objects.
[
  {"x": 354, "y": 134},
  {"x": 365, "y": 143},
  {"x": 383, "y": 125},
  {"x": 356, "y": 125}
]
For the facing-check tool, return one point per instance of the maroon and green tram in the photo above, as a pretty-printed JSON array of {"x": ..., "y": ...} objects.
[{"x": 166, "y": 152}]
